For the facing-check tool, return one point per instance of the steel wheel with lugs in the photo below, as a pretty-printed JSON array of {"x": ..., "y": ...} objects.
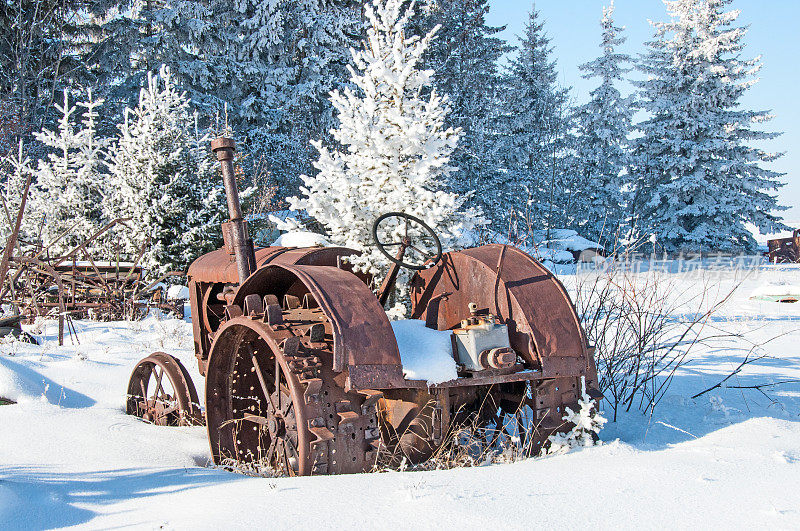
[
  {"x": 273, "y": 400},
  {"x": 161, "y": 392}
]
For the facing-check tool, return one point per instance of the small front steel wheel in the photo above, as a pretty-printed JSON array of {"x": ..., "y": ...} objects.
[{"x": 161, "y": 392}]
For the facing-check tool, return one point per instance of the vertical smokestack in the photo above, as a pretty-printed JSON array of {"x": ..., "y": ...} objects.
[{"x": 236, "y": 229}]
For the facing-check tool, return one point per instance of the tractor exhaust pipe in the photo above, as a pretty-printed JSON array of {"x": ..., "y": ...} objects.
[{"x": 234, "y": 232}]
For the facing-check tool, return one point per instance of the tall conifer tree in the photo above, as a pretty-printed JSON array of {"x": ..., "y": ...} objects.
[
  {"x": 700, "y": 178},
  {"x": 465, "y": 57},
  {"x": 535, "y": 147},
  {"x": 392, "y": 147},
  {"x": 604, "y": 124}
]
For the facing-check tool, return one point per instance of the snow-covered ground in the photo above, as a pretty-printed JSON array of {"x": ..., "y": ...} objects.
[{"x": 69, "y": 456}]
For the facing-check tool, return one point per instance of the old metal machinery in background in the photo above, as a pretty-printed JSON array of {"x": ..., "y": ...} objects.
[
  {"x": 302, "y": 368},
  {"x": 785, "y": 250},
  {"x": 77, "y": 284}
]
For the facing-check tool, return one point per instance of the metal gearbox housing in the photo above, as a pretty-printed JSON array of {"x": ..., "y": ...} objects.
[{"x": 482, "y": 343}]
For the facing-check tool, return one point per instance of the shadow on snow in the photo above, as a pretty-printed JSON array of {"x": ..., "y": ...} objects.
[{"x": 34, "y": 498}]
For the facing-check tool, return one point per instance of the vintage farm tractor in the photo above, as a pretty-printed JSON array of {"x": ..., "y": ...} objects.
[{"x": 302, "y": 368}]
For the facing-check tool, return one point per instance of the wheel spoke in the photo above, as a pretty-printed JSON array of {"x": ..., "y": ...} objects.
[
  {"x": 158, "y": 384},
  {"x": 278, "y": 381},
  {"x": 157, "y": 379},
  {"x": 289, "y": 468},
  {"x": 420, "y": 251},
  {"x": 261, "y": 379},
  {"x": 288, "y": 407},
  {"x": 273, "y": 443},
  {"x": 287, "y": 441}
]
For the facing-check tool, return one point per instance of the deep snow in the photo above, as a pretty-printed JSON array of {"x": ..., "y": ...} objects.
[{"x": 730, "y": 458}]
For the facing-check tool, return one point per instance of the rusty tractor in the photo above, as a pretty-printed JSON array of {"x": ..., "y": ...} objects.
[{"x": 302, "y": 368}]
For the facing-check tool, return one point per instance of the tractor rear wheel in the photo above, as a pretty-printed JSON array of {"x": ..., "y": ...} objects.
[{"x": 273, "y": 401}]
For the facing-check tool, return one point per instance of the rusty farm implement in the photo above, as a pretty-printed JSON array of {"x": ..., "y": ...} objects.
[{"x": 302, "y": 368}]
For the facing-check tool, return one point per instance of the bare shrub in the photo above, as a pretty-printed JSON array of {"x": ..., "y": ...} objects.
[
  {"x": 265, "y": 198},
  {"x": 643, "y": 325}
]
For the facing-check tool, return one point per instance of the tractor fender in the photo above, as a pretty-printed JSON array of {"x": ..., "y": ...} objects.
[
  {"x": 220, "y": 265},
  {"x": 364, "y": 343},
  {"x": 543, "y": 325}
]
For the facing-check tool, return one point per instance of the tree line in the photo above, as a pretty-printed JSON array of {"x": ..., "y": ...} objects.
[{"x": 675, "y": 159}]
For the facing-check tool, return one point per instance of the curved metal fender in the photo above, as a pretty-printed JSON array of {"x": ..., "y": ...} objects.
[
  {"x": 363, "y": 340},
  {"x": 542, "y": 322}
]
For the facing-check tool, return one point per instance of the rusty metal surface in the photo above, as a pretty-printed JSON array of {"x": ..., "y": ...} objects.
[
  {"x": 785, "y": 250},
  {"x": 361, "y": 331},
  {"x": 479, "y": 380},
  {"x": 150, "y": 398},
  {"x": 505, "y": 282},
  {"x": 303, "y": 371},
  {"x": 76, "y": 284},
  {"x": 238, "y": 236},
  {"x": 34, "y": 304},
  {"x": 273, "y": 399},
  {"x": 218, "y": 266}
]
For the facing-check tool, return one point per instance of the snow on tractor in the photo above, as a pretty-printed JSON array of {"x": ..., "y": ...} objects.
[{"x": 303, "y": 370}]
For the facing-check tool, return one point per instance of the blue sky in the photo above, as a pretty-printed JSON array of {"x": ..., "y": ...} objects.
[{"x": 574, "y": 28}]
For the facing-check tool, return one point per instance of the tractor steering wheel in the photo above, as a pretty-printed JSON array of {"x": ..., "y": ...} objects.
[{"x": 412, "y": 238}]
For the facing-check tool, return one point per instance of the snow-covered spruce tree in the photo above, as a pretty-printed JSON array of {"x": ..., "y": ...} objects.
[
  {"x": 273, "y": 62},
  {"x": 292, "y": 56},
  {"x": 164, "y": 179},
  {"x": 464, "y": 56},
  {"x": 604, "y": 124},
  {"x": 15, "y": 168},
  {"x": 68, "y": 195},
  {"x": 535, "y": 144},
  {"x": 392, "y": 146},
  {"x": 195, "y": 38},
  {"x": 700, "y": 179}
]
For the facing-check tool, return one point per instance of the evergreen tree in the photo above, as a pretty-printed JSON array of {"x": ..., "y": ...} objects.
[
  {"x": 67, "y": 197},
  {"x": 392, "y": 147},
  {"x": 700, "y": 180},
  {"x": 268, "y": 67},
  {"x": 536, "y": 142},
  {"x": 42, "y": 47},
  {"x": 164, "y": 180},
  {"x": 293, "y": 54},
  {"x": 604, "y": 124},
  {"x": 464, "y": 56},
  {"x": 193, "y": 37},
  {"x": 16, "y": 168}
]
